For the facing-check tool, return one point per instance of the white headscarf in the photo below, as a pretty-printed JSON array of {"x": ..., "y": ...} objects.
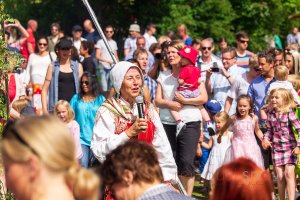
[{"x": 118, "y": 73}]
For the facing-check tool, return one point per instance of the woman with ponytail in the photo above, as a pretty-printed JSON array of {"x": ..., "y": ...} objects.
[{"x": 40, "y": 162}]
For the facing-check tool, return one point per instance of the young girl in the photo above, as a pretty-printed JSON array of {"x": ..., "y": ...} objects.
[
  {"x": 283, "y": 144},
  {"x": 64, "y": 111},
  {"x": 219, "y": 144},
  {"x": 244, "y": 124}
]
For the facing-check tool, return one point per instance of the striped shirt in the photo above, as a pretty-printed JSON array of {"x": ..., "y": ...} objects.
[
  {"x": 151, "y": 85},
  {"x": 243, "y": 61}
]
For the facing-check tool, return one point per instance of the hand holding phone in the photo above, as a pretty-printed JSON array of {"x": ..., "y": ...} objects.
[{"x": 215, "y": 67}]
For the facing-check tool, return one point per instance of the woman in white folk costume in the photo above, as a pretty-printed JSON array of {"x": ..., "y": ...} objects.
[{"x": 117, "y": 121}]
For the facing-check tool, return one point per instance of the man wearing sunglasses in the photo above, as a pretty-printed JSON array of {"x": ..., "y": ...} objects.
[
  {"x": 205, "y": 62},
  {"x": 104, "y": 58},
  {"x": 243, "y": 55}
]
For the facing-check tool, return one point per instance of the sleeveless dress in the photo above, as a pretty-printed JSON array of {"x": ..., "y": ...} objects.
[
  {"x": 244, "y": 142},
  {"x": 216, "y": 156}
]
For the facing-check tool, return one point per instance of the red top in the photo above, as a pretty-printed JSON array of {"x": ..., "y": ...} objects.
[
  {"x": 12, "y": 88},
  {"x": 190, "y": 74},
  {"x": 31, "y": 40}
]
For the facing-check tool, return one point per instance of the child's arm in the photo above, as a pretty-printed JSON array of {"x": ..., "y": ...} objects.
[
  {"x": 295, "y": 123},
  {"x": 180, "y": 81},
  {"x": 268, "y": 136},
  {"x": 207, "y": 145},
  {"x": 228, "y": 104},
  {"x": 258, "y": 132}
]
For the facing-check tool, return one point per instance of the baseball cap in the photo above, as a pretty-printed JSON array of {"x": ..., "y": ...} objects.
[
  {"x": 77, "y": 28},
  {"x": 134, "y": 27},
  {"x": 213, "y": 106},
  {"x": 190, "y": 53}
]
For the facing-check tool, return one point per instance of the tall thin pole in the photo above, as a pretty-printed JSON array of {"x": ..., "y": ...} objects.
[{"x": 98, "y": 27}]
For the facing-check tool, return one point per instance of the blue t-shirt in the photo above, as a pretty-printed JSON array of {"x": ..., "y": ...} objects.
[
  {"x": 85, "y": 113},
  {"x": 188, "y": 41}
]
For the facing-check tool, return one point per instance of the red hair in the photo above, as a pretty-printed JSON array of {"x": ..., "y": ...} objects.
[{"x": 241, "y": 179}]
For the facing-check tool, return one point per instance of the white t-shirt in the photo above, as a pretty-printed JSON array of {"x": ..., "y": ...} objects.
[
  {"x": 169, "y": 86},
  {"x": 286, "y": 85},
  {"x": 205, "y": 66},
  {"x": 37, "y": 68},
  {"x": 105, "y": 53},
  {"x": 130, "y": 43},
  {"x": 150, "y": 39}
]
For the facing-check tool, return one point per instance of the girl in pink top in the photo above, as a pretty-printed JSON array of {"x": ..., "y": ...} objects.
[
  {"x": 64, "y": 111},
  {"x": 244, "y": 126}
]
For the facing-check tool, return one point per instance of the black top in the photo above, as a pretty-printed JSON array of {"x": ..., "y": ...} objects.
[
  {"x": 88, "y": 64},
  {"x": 66, "y": 86}
]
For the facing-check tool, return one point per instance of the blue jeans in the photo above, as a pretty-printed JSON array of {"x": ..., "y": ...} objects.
[
  {"x": 88, "y": 157},
  {"x": 105, "y": 80}
]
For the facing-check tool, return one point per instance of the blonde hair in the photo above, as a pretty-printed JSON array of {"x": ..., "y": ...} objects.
[
  {"x": 19, "y": 104},
  {"x": 281, "y": 73},
  {"x": 288, "y": 102},
  {"x": 295, "y": 80},
  {"x": 49, "y": 140},
  {"x": 67, "y": 106},
  {"x": 223, "y": 116},
  {"x": 253, "y": 61},
  {"x": 182, "y": 27}
]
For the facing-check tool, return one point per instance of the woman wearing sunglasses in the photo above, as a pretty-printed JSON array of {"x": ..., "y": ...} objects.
[
  {"x": 85, "y": 105},
  {"x": 62, "y": 78},
  {"x": 36, "y": 71}
]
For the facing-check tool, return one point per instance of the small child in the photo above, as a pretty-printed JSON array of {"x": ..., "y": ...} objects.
[
  {"x": 244, "y": 125},
  {"x": 189, "y": 80},
  {"x": 219, "y": 144},
  {"x": 295, "y": 80},
  {"x": 86, "y": 50},
  {"x": 23, "y": 107},
  {"x": 281, "y": 76},
  {"x": 64, "y": 111},
  {"x": 284, "y": 146}
]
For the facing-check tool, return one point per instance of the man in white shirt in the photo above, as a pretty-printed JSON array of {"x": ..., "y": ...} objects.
[
  {"x": 218, "y": 83},
  {"x": 104, "y": 57},
  {"x": 205, "y": 62},
  {"x": 148, "y": 35},
  {"x": 130, "y": 42},
  {"x": 77, "y": 33}
]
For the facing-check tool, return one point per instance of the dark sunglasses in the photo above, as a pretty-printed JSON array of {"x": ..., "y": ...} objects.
[
  {"x": 244, "y": 41},
  {"x": 85, "y": 82},
  {"x": 204, "y": 48},
  {"x": 43, "y": 44},
  {"x": 108, "y": 31},
  {"x": 256, "y": 69}
]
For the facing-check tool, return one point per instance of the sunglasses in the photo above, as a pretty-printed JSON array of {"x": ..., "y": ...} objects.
[
  {"x": 204, "y": 48},
  {"x": 108, "y": 31},
  {"x": 43, "y": 44},
  {"x": 256, "y": 69},
  {"x": 85, "y": 82},
  {"x": 244, "y": 41}
]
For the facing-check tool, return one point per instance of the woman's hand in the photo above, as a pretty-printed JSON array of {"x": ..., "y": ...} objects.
[
  {"x": 138, "y": 126},
  {"x": 174, "y": 105},
  {"x": 296, "y": 151},
  {"x": 266, "y": 143}
]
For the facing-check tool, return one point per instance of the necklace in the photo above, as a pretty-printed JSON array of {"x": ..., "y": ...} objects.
[{"x": 88, "y": 98}]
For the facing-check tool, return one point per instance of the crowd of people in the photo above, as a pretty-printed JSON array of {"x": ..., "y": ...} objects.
[{"x": 72, "y": 107}]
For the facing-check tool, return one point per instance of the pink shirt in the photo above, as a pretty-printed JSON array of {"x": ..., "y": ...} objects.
[{"x": 75, "y": 133}]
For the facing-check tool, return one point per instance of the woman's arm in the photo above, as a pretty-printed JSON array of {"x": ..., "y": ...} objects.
[
  {"x": 45, "y": 89},
  {"x": 201, "y": 99},
  {"x": 24, "y": 33},
  {"x": 163, "y": 103},
  {"x": 153, "y": 70},
  {"x": 80, "y": 71}
]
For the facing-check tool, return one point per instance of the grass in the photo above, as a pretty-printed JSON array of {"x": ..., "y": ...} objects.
[{"x": 198, "y": 186}]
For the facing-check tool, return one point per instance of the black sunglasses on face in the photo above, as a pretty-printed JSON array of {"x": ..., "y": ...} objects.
[
  {"x": 85, "y": 82},
  {"x": 204, "y": 48},
  {"x": 244, "y": 41}
]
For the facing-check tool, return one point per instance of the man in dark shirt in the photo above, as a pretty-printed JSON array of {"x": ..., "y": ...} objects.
[{"x": 86, "y": 49}]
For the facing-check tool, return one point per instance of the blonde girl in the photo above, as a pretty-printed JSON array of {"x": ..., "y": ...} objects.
[
  {"x": 64, "y": 112},
  {"x": 283, "y": 145},
  {"x": 39, "y": 162},
  {"x": 219, "y": 144}
]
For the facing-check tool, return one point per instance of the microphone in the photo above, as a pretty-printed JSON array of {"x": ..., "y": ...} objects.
[{"x": 140, "y": 106}]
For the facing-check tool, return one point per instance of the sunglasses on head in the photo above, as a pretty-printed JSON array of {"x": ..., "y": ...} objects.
[
  {"x": 244, "y": 41},
  {"x": 85, "y": 82},
  {"x": 204, "y": 48}
]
